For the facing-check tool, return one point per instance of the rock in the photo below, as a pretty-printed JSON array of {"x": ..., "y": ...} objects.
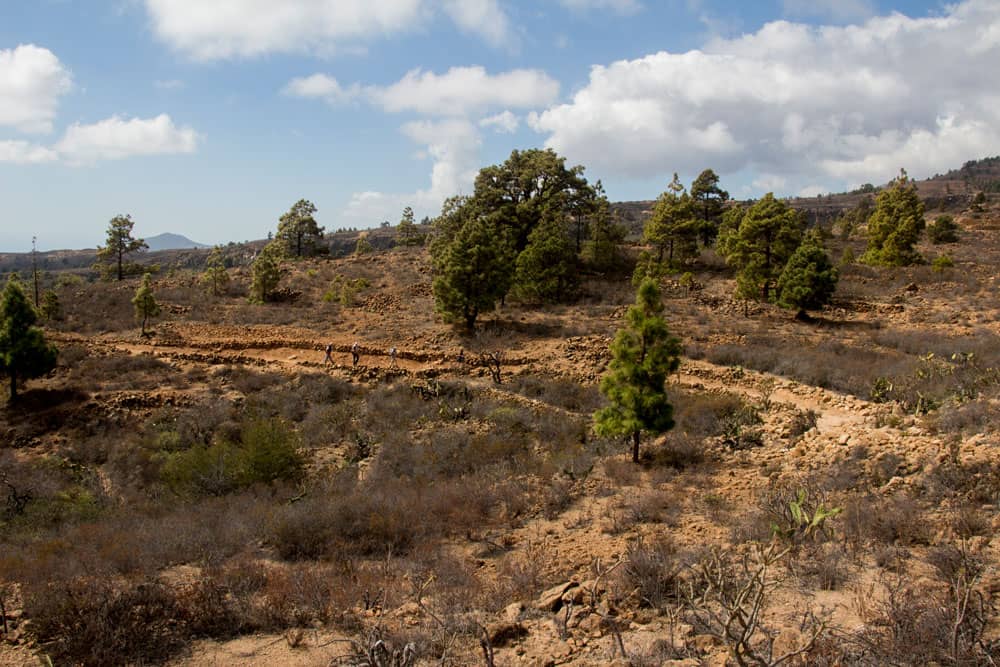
[
  {"x": 501, "y": 634},
  {"x": 552, "y": 599},
  {"x": 686, "y": 662},
  {"x": 844, "y": 439},
  {"x": 512, "y": 612}
]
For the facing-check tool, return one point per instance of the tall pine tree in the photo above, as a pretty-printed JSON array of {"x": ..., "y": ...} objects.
[
  {"x": 809, "y": 279},
  {"x": 895, "y": 226},
  {"x": 709, "y": 202},
  {"x": 298, "y": 230},
  {"x": 643, "y": 355},
  {"x": 24, "y": 352},
  {"x": 757, "y": 242},
  {"x": 112, "y": 257},
  {"x": 145, "y": 303}
]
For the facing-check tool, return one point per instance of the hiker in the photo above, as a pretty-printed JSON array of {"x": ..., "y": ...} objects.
[
  {"x": 392, "y": 357},
  {"x": 355, "y": 353},
  {"x": 461, "y": 356},
  {"x": 329, "y": 354}
]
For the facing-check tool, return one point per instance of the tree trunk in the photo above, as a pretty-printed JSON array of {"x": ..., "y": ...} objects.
[
  {"x": 635, "y": 446},
  {"x": 143, "y": 333},
  {"x": 119, "y": 265}
]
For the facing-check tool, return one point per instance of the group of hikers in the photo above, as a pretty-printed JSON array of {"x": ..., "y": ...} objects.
[{"x": 356, "y": 355}]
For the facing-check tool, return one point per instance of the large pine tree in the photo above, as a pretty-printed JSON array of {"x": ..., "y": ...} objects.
[
  {"x": 809, "y": 278},
  {"x": 673, "y": 229},
  {"x": 298, "y": 229},
  {"x": 757, "y": 242},
  {"x": 112, "y": 257},
  {"x": 145, "y": 303},
  {"x": 24, "y": 352},
  {"x": 643, "y": 355},
  {"x": 895, "y": 226}
]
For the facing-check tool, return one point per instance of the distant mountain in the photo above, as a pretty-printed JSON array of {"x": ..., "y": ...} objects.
[{"x": 171, "y": 242}]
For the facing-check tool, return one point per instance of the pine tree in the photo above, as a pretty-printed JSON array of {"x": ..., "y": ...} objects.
[
  {"x": 24, "y": 352},
  {"x": 472, "y": 267},
  {"x": 809, "y": 278},
  {"x": 406, "y": 232},
  {"x": 895, "y": 226},
  {"x": 943, "y": 230},
  {"x": 112, "y": 256},
  {"x": 546, "y": 269},
  {"x": 298, "y": 230},
  {"x": 757, "y": 242},
  {"x": 215, "y": 276},
  {"x": 266, "y": 273},
  {"x": 643, "y": 355},
  {"x": 603, "y": 250},
  {"x": 672, "y": 230},
  {"x": 709, "y": 202},
  {"x": 145, "y": 303}
]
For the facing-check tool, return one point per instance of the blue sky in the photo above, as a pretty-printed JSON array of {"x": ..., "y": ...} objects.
[{"x": 210, "y": 119}]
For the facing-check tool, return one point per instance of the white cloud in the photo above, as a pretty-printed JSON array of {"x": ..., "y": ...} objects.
[
  {"x": 812, "y": 105},
  {"x": 481, "y": 17},
  {"x": 504, "y": 122},
  {"x": 31, "y": 82},
  {"x": 247, "y": 28},
  {"x": 453, "y": 144},
  {"x": 116, "y": 138},
  {"x": 617, "y": 6},
  {"x": 464, "y": 90},
  {"x": 22, "y": 152},
  {"x": 323, "y": 87}
]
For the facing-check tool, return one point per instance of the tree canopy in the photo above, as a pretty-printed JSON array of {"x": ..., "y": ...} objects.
[
  {"x": 758, "y": 241},
  {"x": 145, "y": 303},
  {"x": 298, "y": 229},
  {"x": 673, "y": 229},
  {"x": 809, "y": 279},
  {"x": 709, "y": 201},
  {"x": 112, "y": 257},
  {"x": 643, "y": 355},
  {"x": 896, "y": 224},
  {"x": 24, "y": 352},
  {"x": 532, "y": 199},
  {"x": 266, "y": 273}
]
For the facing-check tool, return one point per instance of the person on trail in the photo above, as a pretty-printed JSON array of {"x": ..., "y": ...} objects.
[
  {"x": 355, "y": 353},
  {"x": 392, "y": 357},
  {"x": 329, "y": 354},
  {"x": 461, "y": 356}
]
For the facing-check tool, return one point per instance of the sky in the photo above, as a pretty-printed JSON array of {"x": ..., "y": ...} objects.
[{"x": 210, "y": 119}]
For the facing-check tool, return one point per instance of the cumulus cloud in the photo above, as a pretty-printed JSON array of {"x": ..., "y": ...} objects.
[
  {"x": 617, "y": 6},
  {"x": 246, "y": 28},
  {"x": 504, "y": 122},
  {"x": 464, "y": 90},
  {"x": 453, "y": 145},
  {"x": 116, "y": 138},
  {"x": 31, "y": 82},
  {"x": 23, "y": 152},
  {"x": 323, "y": 87},
  {"x": 812, "y": 105}
]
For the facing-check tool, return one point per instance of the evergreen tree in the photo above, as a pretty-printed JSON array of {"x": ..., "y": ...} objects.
[
  {"x": 24, "y": 352},
  {"x": 809, "y": 279},
  {"x": 363, "y": 246},
  {"x": 643, "y": 355},
  {"x": 298, "y": 230},
  {"x": 529, "y": 186},
  {"x": 943, "y": 230},
  {"x": 672, "y": 230},
  {"x": 112, "y": 256},
  {"x": 406, "y": 233},
  {"x": 757, "y": 242},
  {"x": 471, "y": 266},
  {"x": 546, "y": 270},
  {"x": 266, "y": 273},
  {"x": 215, "y": 276},
  {"x": 145, "y": 303},
  {"x": 603, "y": 249},
  {"x": 709, "y": 202},
  {"x": 895, "y": 226},
  {"x": 51, "y": 309}
]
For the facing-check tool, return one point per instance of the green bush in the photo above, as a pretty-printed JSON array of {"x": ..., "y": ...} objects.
[
  {"x": 942, "y": 262},
  {"x": 943, "y": 230},
  {"x": 268, "y": 451}
]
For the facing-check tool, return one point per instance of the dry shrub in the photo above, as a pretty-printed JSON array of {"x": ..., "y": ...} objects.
[
  {"x": 562, "y": 392},
  {"x": 653, "y": 569},
  {"x": 700, "y": 414},
  {"x": 94, "y": 621},
  {"x": 679, "y": 451},
  {"x": 894, "y": 520},
  {"x": 970, "y": 417}
]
